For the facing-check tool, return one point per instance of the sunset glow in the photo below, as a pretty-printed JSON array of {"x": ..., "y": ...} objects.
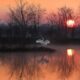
[
  {"x": 70, "y": 23},
  {"x": 39, "y": 39},
  {"x": 49, "y": 5}
]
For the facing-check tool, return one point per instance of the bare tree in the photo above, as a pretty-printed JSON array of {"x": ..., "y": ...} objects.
[
  {"x": 27, "y": 15},
  {"x": 58, "y": 20},
  {"x": 52, "y": 19},
  {"x": 18, "y": 17},
  {"x": 61, "y": 16},
  {"x": 35, "y": 16},
  {"x": 64, "y": 14}
]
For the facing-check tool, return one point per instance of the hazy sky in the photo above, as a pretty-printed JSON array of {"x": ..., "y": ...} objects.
[{"x": 48, "y": 4}]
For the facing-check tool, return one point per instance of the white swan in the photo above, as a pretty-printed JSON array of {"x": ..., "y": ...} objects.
[{"x": 42, "y": 41}]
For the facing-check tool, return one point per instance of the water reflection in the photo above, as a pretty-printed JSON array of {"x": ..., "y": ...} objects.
[
  {"x": 66, "y": 64},
  {"x": 70, "y": 52},
  {"x": 39, "y": 66},
  {"x": 24, "y": 64}
]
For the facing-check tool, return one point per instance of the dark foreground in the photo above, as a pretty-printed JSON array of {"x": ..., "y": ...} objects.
[{"x": 28, "y": 48}]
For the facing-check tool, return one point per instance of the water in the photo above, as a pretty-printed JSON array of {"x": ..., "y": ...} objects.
[{"x": 64, "y": 64}]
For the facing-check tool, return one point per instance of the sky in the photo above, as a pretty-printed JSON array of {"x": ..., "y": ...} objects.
[{"x": 49, "y": 5}]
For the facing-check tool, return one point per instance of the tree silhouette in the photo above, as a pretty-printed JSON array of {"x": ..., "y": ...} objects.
[
  {"x": 58, "y": 20},
  {"x": 35, "y": 16},
  {"x": 25, "y": 15},
  {"x": 18, "y": 18}
]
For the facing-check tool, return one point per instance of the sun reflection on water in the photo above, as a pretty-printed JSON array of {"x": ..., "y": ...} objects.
[
  {"x": 70, "y": 52},
  {"x": 40, "y": 66}
]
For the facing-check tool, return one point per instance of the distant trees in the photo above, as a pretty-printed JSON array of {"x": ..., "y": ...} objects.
[
  {"x": 26, "y": 20},
  {"x": 65, "y": 14},
  {"x": 58, "y": 20},
  {"x": 18, "y": 15},
  {"x": 61, "y": 16},
  {"x": 18, "y": 19},
  {"x": 35, "y": 16},
  {"x": 25, "y": 15}
]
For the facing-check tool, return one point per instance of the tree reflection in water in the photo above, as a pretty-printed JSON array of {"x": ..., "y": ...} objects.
[
  {"x": 66, "y": 63},
  {"x": 24, "y": 64},
  {"x": 30, "y": 66}
]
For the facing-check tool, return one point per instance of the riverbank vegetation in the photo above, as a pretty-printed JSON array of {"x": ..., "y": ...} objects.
[{"x": 29, "y": 22}]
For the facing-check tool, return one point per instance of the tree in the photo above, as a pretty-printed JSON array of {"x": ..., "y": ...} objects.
[
  {"x": 59, "y": 19},
  {"x": 52, "y": 19},
  {"x": 18, "y": 17},
  {"x": 24, "y": 16},
  {"x": 64, "y": 14},
  {"x": 35, "y": 16}
]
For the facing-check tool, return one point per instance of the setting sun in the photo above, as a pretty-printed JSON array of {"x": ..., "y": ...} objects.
[{"x": 70, "y": 23}]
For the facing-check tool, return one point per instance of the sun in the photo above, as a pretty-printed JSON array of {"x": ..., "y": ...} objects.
[{"x": 70, "y": 23}]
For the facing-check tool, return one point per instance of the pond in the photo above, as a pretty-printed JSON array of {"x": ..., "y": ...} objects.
[{"x": 63, "y": 64}]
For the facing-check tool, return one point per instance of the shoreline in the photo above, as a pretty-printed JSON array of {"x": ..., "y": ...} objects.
[{"x": 27, "y": 48}]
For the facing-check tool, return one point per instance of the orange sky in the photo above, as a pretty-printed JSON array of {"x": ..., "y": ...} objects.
[{"x": 48, "y": 4}]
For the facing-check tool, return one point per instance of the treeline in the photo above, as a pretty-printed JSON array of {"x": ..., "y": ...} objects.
[{"x": 30, "y": 22}]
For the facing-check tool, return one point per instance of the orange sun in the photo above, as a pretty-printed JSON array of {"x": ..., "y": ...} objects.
[{"x": 70, "y": 23}]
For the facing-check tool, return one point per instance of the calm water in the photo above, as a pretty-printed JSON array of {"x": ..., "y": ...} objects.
[{"x": 63, "y": 64}]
